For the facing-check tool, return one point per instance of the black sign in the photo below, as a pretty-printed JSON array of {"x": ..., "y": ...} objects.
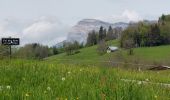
[{"x": 10, "y": 41}]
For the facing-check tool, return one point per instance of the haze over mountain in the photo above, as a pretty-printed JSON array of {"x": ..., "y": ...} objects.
[{"x": 80, "y": 31}]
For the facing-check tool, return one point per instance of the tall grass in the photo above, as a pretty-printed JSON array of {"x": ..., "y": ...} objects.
[{"x": 42, "y": 80}]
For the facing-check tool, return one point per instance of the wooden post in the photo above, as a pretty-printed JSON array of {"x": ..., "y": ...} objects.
[
  {"x": 10, "y": 52},
  {"x": 9, "y": 42}
]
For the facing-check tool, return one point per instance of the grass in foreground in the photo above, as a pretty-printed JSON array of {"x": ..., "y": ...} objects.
[{"x": 42, "y": 80}]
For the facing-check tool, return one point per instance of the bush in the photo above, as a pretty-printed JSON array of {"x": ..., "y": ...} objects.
[
  {"x": 102, "y": 47},
  {"x": 72, "y": 48},
  {"x": 35, "y": 51}
]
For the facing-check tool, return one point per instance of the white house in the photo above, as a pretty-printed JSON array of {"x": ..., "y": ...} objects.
[{"x": 111, "y": 49}]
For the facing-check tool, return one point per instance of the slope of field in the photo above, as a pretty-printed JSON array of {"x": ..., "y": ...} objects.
[
  {"x": 43, "y": 80},
  {"x": 144, "y": 55}
]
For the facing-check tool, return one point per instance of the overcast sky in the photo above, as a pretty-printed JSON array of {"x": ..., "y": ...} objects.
[{"x": 48, "y": 21}]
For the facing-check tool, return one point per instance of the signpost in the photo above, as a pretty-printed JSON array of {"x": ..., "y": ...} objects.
[{"x": 10, "y": 41}]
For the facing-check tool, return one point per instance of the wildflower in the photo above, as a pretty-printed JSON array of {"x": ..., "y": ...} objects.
[
  {"x": 139, "y": 83},
  {"x": 45, "y": 92},
  {"x": 27, "y": 95},
  {"x": 146, "y": 79},
  {"x": 48, "y": 88},
  {"x": 63, "y": 79},
  {"x": 8, "y": 87}
]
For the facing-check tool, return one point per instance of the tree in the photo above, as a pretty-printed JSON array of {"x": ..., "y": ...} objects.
[
  {"x": 91, "y": 39},
  {"x": 154, "y": 37},
  {"x": 55, "y": 50},
  {"x": 76, "y": 46},
  {"x": 33, "y": 51},
  {"x": 102, "y": 47},
  {"x": 104, "y": 34},
  {"x": 129, "y": 44},
  {"x": 72, "y": 48},
  {"x": 101, "y": 34},
  {"x": 109, "y": 35},
  {"x": 4, "y": 51}
]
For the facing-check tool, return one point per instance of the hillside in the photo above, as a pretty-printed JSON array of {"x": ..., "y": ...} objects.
[{"x": 144, "y": 55}]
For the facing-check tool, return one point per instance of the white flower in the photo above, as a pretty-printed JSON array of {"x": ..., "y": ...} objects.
[
  {"x": 8, "y": 87},
  {"x": 48, "y": 88},
  {"x": 146, "y": 79},
  {"x": 139, "y": 83},
  {"x": 27, "y": 95},
  {"x": 63, "y": 79}
]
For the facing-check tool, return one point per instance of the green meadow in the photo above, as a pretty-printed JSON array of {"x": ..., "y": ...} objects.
[
  {"x": 144, "y": 55},
  {"x": 83, "y": 77},
  {"x": 43, "y": 80}
]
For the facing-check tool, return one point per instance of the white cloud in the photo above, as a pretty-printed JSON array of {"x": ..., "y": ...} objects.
[
  {"x": 125, "y": 16},
  {"x": 44, "y": 30},
  {"x": 131, "y": 16}
]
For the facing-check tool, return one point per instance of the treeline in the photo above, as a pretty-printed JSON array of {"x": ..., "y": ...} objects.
[
  {"x": 103, "y": 34},
  {"x": 142, "y": 34},
  {"x": 29, "y": 51},
  {"x": 72, "y": 47}
]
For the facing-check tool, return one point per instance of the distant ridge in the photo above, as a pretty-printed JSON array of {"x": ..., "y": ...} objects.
[{"x": 80, "y": 31}]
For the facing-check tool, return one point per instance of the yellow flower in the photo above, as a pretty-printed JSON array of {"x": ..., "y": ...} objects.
[
  {"x": 147, "y": 79},
  {"x": 27, "y": 95},
  {"x": 156, "y": 96}
]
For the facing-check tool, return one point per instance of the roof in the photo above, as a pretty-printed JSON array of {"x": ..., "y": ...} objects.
[{"x": 112, "y": 48}]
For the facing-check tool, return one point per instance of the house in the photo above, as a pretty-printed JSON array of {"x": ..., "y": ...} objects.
[{"x": 111, "y": 49}]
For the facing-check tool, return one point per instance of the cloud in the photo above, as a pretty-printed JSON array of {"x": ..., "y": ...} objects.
[
  {"x": 44, "y": 30},
  {"x": 131, "y": 16},
  {"x": 5, "y": 31},
  {"x": 125, "y": 16}
]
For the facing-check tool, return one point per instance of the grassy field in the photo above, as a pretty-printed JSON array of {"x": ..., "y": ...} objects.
[
  {"x": 83, "y": 77},
  {"x": 144, "y": 55},
  {"x": 43, "y": 80}
]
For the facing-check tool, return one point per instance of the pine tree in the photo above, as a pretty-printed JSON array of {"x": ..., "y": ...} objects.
[
  {"x": 101, "y": 32},
  {"x": 104, "y": 33},
  {"x": 92, "y": 38},
  {"x": 109, "y": 35}
]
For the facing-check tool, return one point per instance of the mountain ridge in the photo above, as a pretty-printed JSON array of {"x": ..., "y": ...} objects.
[{"x": 80, "y": 31}]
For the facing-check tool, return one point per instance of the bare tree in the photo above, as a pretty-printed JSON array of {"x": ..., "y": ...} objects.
[{"x": 102, "y": 47}]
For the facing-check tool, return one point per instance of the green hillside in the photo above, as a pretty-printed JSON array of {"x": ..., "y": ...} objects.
[{"x": 150, "y": 55}]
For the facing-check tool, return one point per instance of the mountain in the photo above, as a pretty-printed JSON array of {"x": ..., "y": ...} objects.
[
  {"x": 80, "y": 31},
  {"x": 60, "y": 44}
]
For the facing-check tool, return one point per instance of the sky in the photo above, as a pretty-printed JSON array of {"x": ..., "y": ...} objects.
[{"x": 48, "y": 21}]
